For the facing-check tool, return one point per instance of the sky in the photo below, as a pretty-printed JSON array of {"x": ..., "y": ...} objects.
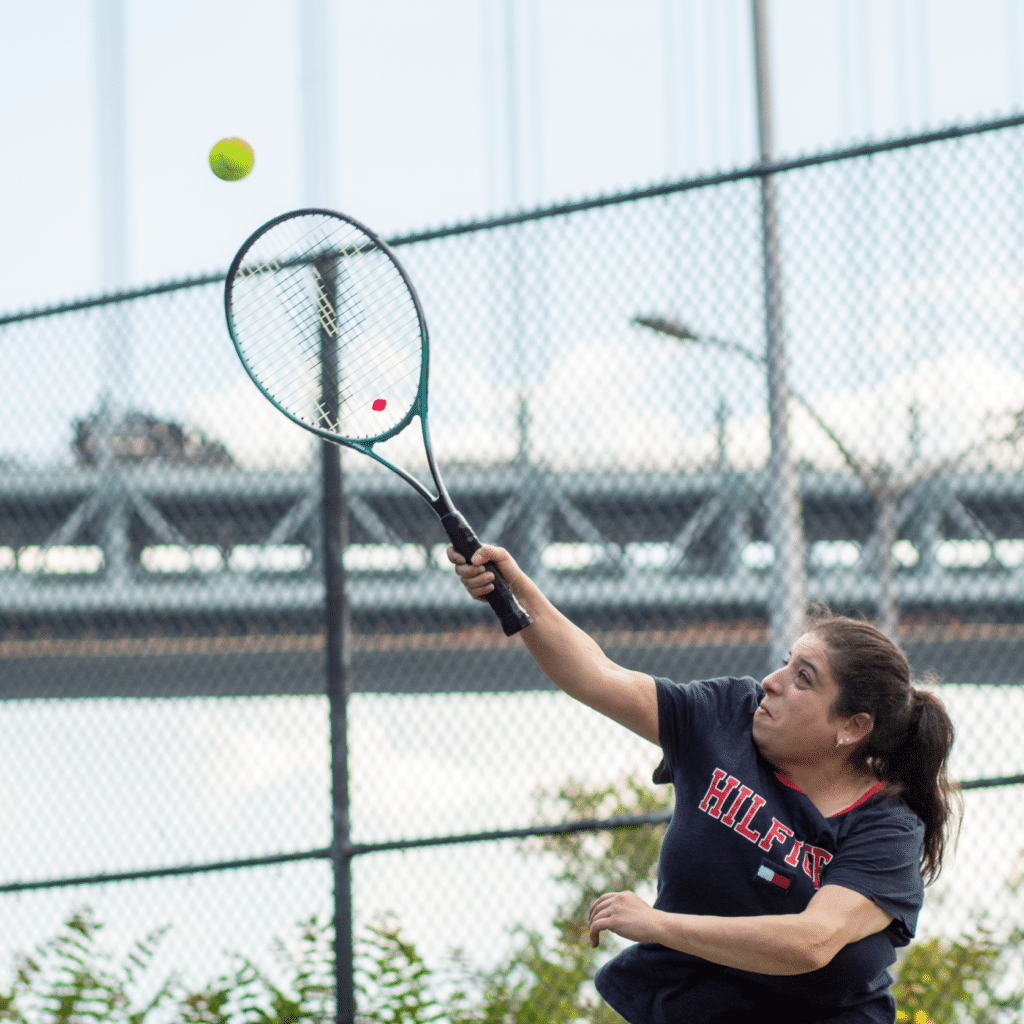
[{"x": 444, "y": 112}]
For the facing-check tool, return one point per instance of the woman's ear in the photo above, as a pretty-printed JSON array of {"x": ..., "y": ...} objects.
[{"x": 856, "y": 727}]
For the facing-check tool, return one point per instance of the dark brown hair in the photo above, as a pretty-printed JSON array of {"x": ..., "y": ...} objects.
[{"x": 909, "y": 744}]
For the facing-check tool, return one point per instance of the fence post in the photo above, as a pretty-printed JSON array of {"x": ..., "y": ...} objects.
[{"x": 335, "y": 539}]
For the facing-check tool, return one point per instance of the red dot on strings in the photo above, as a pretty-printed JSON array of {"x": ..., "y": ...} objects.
[{"x": 379, "y": 403}]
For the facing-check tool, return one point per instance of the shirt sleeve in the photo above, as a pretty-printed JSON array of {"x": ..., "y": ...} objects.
[
  {"x": 688, "y": 711},
  {"x": 880, "y": 858}
]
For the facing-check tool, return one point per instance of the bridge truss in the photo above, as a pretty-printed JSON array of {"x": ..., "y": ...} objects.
[{"x": 220, "y": 546}]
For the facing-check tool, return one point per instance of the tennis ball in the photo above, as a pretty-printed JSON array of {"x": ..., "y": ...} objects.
[{"x": 231, "y": 159}]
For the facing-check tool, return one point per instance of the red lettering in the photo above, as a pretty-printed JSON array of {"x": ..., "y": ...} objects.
[
  {"x": 717, "y": 804},
  {"x": 715, "y": 797},
  {"x": 814, "y": 860},
  {"x": 778, "y": 833},
  {"x": 744, "y": 826},
  {"x": 741, "y": 799},
  {"x": 794, "y": 855},
  {"x": 821, "y": 858}
]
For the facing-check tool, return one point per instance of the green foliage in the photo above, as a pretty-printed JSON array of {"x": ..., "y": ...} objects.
[
  {"x": 73, "y": 979},
  {"x": 938, "y": 977},
  {"x": 593, "y": 863},
  {"x": 973, "y": 978},
  {"x": 248, "y": 995},
  {"x": 955, "y": 980},
  {"x": 543, "y": 982},
  {"x": 548, "y": 976},
  {"x": 393, "y": 983}
]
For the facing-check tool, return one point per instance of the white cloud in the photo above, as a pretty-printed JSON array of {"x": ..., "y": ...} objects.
[
  {"x": 960, "y": 401},
  {"x": 600, "y": 407}
]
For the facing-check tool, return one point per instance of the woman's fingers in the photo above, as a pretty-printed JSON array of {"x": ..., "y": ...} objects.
[
  {"x": 623, "y": 913},
  {"x": 476, "y": 578}
]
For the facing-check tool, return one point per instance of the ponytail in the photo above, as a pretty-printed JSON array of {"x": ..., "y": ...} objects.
[
  {"x": 912, "y": 735},
  {"x": 916, "y": 766}
]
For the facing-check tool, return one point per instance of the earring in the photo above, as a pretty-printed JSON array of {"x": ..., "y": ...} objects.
[{"x": 840, "y": 742}]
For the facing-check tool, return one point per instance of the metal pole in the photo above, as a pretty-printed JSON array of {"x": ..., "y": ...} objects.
[
  {"x": 887, "y": 497},
  {"x": 515, "y": 244},
  {"x": 112, "y": 146},
  {"x": 785, "y": 525},
  {"x": 316, "y": 69},
  {"x": 335, "y": 539},
  {"x": 318, "y": 132},
  {"x": 115, "y": 384}
]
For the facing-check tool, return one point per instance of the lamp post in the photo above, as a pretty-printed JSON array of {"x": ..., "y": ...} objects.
[{"x": 785, "y": 517}]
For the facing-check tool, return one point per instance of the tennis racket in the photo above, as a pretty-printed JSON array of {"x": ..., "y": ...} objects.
[{"x": 330, "y": 329}]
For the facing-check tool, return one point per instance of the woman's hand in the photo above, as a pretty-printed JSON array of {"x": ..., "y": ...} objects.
[
  {"x": 625, "y": 914},
  {"x": 475, "y": 578}
]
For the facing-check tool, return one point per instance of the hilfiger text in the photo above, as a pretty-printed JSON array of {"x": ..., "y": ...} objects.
[{"x": 735, "y": 805}]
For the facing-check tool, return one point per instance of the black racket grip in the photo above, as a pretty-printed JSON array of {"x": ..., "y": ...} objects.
[{"x": 512, "y": 615}]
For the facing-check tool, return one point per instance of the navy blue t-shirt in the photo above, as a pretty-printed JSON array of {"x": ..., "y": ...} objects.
[{"x": 744, "y": 841}]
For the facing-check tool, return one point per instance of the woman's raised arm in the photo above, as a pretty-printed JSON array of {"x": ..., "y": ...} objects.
[{"x": 568, "y": 656}]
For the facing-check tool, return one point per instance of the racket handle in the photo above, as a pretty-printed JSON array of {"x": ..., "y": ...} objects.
[{"x": 512, "y": 615}]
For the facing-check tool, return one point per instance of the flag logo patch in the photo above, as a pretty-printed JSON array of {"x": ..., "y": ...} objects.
[{"x": 774, "y": 877}]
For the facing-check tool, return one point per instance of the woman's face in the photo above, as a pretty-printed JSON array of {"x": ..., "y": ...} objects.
[{"x": 794, "y": 722}]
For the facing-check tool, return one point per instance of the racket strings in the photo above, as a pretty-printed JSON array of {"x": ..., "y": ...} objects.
[
  {"x": 281, "y": 367},
  {"x": 314, "y": 295},
  {"x": 383, "y": 361}
]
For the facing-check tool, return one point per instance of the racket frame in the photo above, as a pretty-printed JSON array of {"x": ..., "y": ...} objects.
[{"x": 511, "y": 614}]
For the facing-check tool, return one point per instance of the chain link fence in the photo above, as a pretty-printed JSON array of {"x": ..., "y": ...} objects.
[{"x": 598, "y": 405}]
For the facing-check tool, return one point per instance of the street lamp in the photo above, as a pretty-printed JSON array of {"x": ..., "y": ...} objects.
[{"x": 886, "y": 484}]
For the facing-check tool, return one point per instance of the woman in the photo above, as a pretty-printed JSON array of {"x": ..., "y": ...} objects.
[{"x": 809, "y": 811}]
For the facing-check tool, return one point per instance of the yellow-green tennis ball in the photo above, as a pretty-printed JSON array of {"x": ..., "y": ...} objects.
[{"x": 231, "y": 159}]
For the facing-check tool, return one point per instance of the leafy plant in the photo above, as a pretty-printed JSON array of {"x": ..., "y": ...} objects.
[
  {"x": 935, "y": 978},
  {"x": 72, "y": 978},
  {"x": 549, "y": 976},
  {"x": 248, "y": 994},
  {"x": 393, "y": 981},
  {"x": 597, "y": 862},
  {"x": 973, "y": 978},
  {"x": 954, "y": 980}
]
